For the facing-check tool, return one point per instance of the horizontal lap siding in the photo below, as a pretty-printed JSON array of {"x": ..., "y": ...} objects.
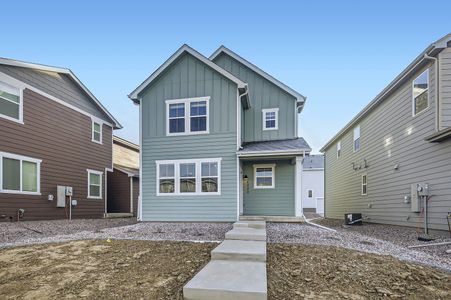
[
  {"x": 60, "y": 137},
  {"x": 190, "y": 78},
  {"x": 278, "y": 201},
  {"x": 391, "y": 136},
  {"x": 445, "y": 87}
]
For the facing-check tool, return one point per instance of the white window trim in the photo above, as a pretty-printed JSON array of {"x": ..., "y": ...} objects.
[
  {"x": 187, "y": 102},
  {"x": 20, "y": 120},
  {"x": 413, "y": 96},
  {"x": 100, "y": 122},
  {"x": 276, "y": 111},
  {"x": 89, "y": 183},
  {"x": 364, "y": 184},
  {"x": 354, "y": 138},
  {"x": 176, "y": 164},
  {"x": 338, "y": 148},
  {"x": 308, "y": 193},
  {"x": 21, "y": 158},
  {"x": 273, "y": 167}
]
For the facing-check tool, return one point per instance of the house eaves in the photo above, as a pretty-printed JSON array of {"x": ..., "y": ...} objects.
[
  {"x": 418, "y": 63},
  {"x": 300, "y": 99},
  {"x": 134, "y": 95},
  {"x": 22, "y": 64}
]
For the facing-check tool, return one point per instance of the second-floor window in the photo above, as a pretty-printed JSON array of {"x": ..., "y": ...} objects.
[
  {"x": 187, "y": 116},
  {"x": 96, "y": 134},
  {"x": 357, "y": 138},
  {"x": 339, "y": 149},
  {"x": 270, "y": 118},
  {"x": 10, "y": 102},
  {"x": 420, "y": 93}
]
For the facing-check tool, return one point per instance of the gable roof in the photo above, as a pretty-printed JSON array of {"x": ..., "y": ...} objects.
[
  {"x": 71, "y": 79},
  {"x": 418, "y": 63},
  {"x": 313, "y": 162},
  {"x": 124, "y": 143},
  {"x": 299, "y": 97},
  {"x": 134, "y": 95}
]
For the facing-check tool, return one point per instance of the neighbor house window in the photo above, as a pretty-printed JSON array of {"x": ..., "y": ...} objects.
[
  {"x": 189, "y": 177},
  {"x": 97, "y": 132},
  {"x": 338, "y": 148},
  {"x": 364, "y": 184},
  {"x": 94, "y": 184},
  {"x": 264, "y": 176},
  {"x": 19, "y": 174},
  {"x": 421, "y": 93},
  {"x": 11, "y": 103},
  {"x": 357, "y": 138},
  {"x": 187, "y": 116},
  {"x": 310, "y": 193},
  {"x": 270, "y": 119}
]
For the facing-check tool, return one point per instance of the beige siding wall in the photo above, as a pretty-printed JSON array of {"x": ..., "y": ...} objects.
[
  {"x": 391, "y": 136},
  {"x": 126, "y": 157}
]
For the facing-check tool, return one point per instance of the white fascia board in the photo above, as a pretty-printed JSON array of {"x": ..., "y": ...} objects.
[
  {"x": 185, "y": 48},
  {"x": 298, "y": 96},
  {"x": 273, "y": 153}
]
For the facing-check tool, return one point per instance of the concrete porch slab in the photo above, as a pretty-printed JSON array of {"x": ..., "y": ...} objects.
[
  {"x": 228, "y": 280},
  {"x": 240, "y": 250},
  {"x": 250, "y": 224},
  {"x": 247, "y": 234},
  {"x": 280, "y": 219},
  {"x": 118, "y": 215}
]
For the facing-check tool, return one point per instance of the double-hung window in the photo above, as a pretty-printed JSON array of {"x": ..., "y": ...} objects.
[
  {"x": 94, "y": 184},
  {"x": 96, "y": 131},
  {"x": 338, "y": 148},
  {"x": 264, "y": 176},
  {"x": 187, "y": 116},
  {"x": 189, "y": 177},
  {"x": 356, "y": 139},
  {"x": 19, "y": 174},
  {"x": 420, "y": 93},
  {"x": 11, "y": 102},
  {"x": 270, "y": 118},
  {"x": 364, "y": 184}
]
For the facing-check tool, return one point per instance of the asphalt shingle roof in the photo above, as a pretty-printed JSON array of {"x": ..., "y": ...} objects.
[
  {"x": 297, "y": 144},
  {"x": 313, "y": 162}
]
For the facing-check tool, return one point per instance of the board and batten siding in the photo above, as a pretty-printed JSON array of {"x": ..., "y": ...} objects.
[
  {"x": 278, "y": 201},
  {"x": 391, "y": 136},
  {"x": 263, "y": 94},
  {"x": 445, "y": 87},
  {"x": 188, "y": 78}
]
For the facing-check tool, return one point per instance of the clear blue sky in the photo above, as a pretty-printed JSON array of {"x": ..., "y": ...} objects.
[{"x": 339, "y": 54}]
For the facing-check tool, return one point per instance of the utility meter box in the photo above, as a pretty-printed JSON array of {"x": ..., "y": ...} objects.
[
  {"x": 69, "y": 191},
  {"x": 418, "y": 190},
  {"x": 60, "y": 196},
  {"x": 423, "y": 189}
]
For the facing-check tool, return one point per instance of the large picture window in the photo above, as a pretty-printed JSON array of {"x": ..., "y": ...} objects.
[
  {"x": 420, "y": 92},
  {"x": 10, "y": 102},
  {"x": 264, "y": 176},
  {"x": 94, "y": 184},
  {"x": 19, "y": 174},
  {"x": 189, "y": 177},
  {"x": 187, "y": 116}
]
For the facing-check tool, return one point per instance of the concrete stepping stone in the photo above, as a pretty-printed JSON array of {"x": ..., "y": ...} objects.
[
  {"x": 240, "y": 250},
  {"x": 247, "y": 234},
  {"x": 250, "y": 224},
  {"x": 228, "y": 280}
]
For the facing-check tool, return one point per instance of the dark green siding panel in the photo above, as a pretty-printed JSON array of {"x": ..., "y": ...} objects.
[
  {"x": 263, "y": 94},
  {"x": 189, "y": 78},
  {"x": 278, "y": 201}
]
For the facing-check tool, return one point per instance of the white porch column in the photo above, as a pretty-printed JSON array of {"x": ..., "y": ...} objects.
[{"x": 298, "y": 187}]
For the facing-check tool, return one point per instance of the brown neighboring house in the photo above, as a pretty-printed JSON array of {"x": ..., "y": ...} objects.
[
  {"x": 54, "y": 132},
  {"x": 123, "y": 182}
]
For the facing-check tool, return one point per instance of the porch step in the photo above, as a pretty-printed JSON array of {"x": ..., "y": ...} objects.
[
  {"x": 250, "y": 224},
  {"x": 240, "y": 250},
  {"x": 247, "y": 234},
  {"x": 282, "y": 219},
  {"x": 228, "y": 280},
  {"x": 118, "y": 215}
]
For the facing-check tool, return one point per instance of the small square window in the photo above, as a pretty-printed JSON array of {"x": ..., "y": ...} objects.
[
  {"x": 270, "y": 119},
  {"x": 310, "y": 193},
  {"x": 264, "y": 176}
]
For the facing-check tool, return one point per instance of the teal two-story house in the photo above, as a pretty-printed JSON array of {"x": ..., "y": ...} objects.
[{"x": 218, "y": 140}]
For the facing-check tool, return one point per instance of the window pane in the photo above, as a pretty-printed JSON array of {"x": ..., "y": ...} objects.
[
  {"x": 271, "y": 115},
  {"x": 264, "y": 181},
  {"x": 310, "y": 193},
  {"x": 176, "y": 110},
  {"x": 96, "y": 127},
  {"x": 421, "y": 102},
  {"x": 9, "y": 96},
  {"x": 357, "y": 144},
  {"x": 29, "y": 176},
  {"x": 177, "y": 125},
  {"x": 9, "y": 108},
  {"x": 11, "y": 174},
  {"x": 94, "y": 179},
  {"x": 188, "y": 185},
  {"x": 97, "y": 136},
  {"x": 209, "y": 169},
  {"x": 199, "y": 124},
  {"x": 167, "y": 170},
  {"x": 167, "y": 186},
  {"x": 187, "y": 170},
  {"x": 265, "y": 172},
  {"x": 209, "y": 185},
  {"x": 198, "y": 108},
  {"x": 270, "y": 124},
  {"x": 94, "y": 191}
]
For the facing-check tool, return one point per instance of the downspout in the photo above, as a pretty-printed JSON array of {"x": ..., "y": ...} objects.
[{"x": 436, "y": 92}]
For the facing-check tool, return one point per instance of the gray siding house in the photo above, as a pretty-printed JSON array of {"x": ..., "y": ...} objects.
[
  {"x": 218, "y": 140},
  {"x": 399, "y": 140}
]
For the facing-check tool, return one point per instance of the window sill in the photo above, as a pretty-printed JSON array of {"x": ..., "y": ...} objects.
[
  {"x": 20, "y": 192},
  {"x": 187, "y": 194},
  {"x": 97, "y": 142},
  {"x": 187, "y": 133},
  {"x": 19, "y": 121},
  {"x": 267, "y": 129},
  {"x": 95, "y": 198},
  {"x": 264, "y": 187}
]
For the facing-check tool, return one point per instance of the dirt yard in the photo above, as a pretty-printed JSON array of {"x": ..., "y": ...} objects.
[
  {"x": 322, "y": 272},
  {"x": 101, "y": 269}
]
